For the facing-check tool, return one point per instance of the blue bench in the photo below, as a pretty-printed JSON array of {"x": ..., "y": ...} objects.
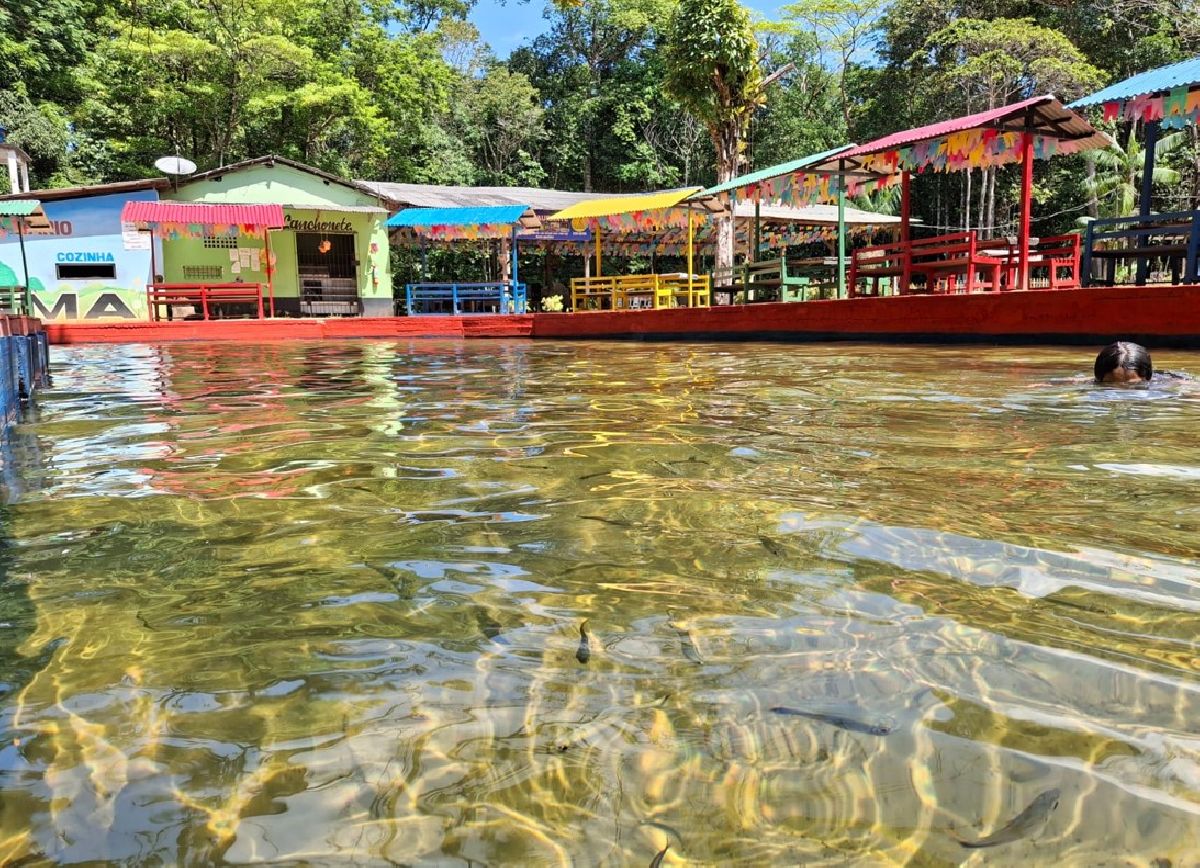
[
  {"x": 458, "y": 298},
  {"x": 1172, "y": 239}
]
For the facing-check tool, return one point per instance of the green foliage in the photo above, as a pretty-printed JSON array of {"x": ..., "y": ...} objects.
[{"x": 1117, "y": 183}]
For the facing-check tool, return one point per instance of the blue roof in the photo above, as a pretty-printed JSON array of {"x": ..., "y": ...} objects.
[
  {"x": 1165, "y": 78},
  {"x": 457, "y": 216}
]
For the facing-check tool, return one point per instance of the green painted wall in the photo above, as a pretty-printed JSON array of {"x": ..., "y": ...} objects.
[{"x": 303, "y": 196}]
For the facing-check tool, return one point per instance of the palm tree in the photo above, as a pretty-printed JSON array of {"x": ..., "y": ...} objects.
[{"x": 1119, "y": 170}]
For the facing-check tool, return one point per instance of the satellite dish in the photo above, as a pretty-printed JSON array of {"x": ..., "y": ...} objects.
[{"x": 175, "y": 165}]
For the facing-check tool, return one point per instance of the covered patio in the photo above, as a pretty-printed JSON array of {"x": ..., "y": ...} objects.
[
  {"x": 1167, "y": 98},
  {"x": 500, "y": 224},
  {"x": 211, "y": 300},
  {"x": 638, "y": 225}
]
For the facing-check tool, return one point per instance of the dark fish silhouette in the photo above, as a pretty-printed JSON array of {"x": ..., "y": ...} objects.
[
  {"x": 882, "y": 726},
  {"x": 615, "y": 522},
  {"x": 771, "y": 546},
  {"x": 1024, "y": 824},
  {"x": 658, "y": 857},
  {"x": 688, "y": 647},
  {"x": 584, "y": 652}
]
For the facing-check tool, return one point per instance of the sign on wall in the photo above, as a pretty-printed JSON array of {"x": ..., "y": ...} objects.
[{"x": 89, "y": 266}]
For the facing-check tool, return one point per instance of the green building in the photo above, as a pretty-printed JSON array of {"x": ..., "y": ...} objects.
[{"x": 331, "y": 257}]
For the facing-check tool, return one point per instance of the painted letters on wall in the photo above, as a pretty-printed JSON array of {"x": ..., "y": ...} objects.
[{"x": 83, "y": 270}]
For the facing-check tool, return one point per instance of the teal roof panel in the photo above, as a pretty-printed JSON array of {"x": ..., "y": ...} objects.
[
  {"x": 1165, "y": 78},
  {"x": 412, "y": 217},
  {"x": 771, "y": 172}
]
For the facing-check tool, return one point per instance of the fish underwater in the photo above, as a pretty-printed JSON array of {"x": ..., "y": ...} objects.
[
  {"x": 881, "y": 726},
  {"x": 584, "y": 652},
  {"x": 1024, "y": 824},
  {"x": 658, "y": 857}
]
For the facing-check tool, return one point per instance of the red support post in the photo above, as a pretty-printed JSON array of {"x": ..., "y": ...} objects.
[
  {"x": 905, "y": 229},
  {"x": 270, "y": 274},
  {"x": 1026, "y": 210}
]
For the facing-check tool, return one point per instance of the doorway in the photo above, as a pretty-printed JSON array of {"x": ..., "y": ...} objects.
[{"x": 328, "y": 273}]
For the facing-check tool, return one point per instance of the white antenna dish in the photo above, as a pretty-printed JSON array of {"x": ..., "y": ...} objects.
[{"x": 175, "y": 165}]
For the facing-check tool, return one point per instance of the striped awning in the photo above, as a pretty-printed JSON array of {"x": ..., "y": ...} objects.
[
  {"x": 511, "y": 215},
  {"x": 258, "y": 216}
]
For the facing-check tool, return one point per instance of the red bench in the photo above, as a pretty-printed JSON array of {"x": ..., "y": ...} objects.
[
  {"x": 201, "y": 295},
  {"x": 938, "y": 262},
  {"x": 1053, "y": 261}
]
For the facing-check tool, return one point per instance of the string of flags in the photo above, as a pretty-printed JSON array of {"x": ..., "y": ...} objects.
[{"x": 1176, "y": 109}]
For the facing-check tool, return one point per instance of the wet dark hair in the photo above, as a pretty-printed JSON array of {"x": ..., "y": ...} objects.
[{"x": 1123, "y": 354}]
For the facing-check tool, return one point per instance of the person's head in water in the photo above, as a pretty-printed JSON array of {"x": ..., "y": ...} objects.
[{"x": 1124, "y": 362}]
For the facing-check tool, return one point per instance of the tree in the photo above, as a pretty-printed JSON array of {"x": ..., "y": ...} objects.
[
  {"x": 713, "y": 70},
  {"x": 842, "y": 28},
  {"x": 1117, "y": 183}
]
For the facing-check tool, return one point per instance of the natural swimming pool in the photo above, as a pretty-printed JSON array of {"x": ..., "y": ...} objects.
[{"x": 843, "y": 604}]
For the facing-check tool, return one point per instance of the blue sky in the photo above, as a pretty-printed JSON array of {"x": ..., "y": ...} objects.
[{"x": 510, "y": 25}]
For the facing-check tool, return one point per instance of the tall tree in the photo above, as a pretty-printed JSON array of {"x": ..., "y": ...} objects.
[{"x": 713, "y": 70}]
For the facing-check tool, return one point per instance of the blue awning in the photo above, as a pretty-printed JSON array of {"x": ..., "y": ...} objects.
[
  {"x": 412, "y": 218},
  {"x": 1154, "y": 81}
]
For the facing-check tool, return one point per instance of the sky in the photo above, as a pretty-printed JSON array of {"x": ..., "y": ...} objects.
[{"x": 508, "y": 26}]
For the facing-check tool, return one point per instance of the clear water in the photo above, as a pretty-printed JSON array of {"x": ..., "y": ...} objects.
[{"x": 322, "y": 604}]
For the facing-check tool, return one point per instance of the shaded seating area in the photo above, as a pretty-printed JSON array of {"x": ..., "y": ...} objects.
[
  {"x": 203, "y": 300},
  {"x": 500, "y": 223},
  {"x": 1146, "y": 247},
  {"x": 665, "y": 221}
]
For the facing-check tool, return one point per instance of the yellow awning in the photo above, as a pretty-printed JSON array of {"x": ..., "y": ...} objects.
[{"x": 591, "y": 208}]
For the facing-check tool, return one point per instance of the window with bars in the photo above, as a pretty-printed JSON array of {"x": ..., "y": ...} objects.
[
  {"x": 220, "y": 242},
  {"x": 202, "y": 272}
]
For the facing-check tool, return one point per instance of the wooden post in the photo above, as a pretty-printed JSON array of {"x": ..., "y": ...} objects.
[
  {"x": 515, "y": 277},
  {"x": 758, "y": 228},
  {"x": 841, "y": 230},
  {"x": 690, "y": 254},
  {"x": 599, "y": 269},
  {"x": 1147, "y": 195},
  {"x": 270, "y": 271},
  {"x": 1026, "y": 209},
  {"x": 905, "y": 229}
]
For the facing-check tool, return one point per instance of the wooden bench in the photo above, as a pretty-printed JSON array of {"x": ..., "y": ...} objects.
[
  {"x": 935, "y": 263},
  {"x": 876, "y": 263},
  {"x": 1173, "y": 237},
  {"x": 1053, "y": 261},
  {"x": 208, "y": 298},
  {"x": 640, "y": 292},
  {"x": 455, "y": 299}
]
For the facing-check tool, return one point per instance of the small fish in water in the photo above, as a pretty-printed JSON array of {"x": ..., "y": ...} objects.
[
  {"x": 615, "y": 522},
  {"x": 879, "y": 727},
  {"x": 1024, "y": 824},
  {"x": 687, "y": 647},
  {"x": 771, "y": 546},
  {"x": 584, "y": 652},
  {"x": 658, "y": 857}
]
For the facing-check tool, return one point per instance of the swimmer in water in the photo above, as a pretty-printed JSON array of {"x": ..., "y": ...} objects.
[{"x": 1124, "y": 363}]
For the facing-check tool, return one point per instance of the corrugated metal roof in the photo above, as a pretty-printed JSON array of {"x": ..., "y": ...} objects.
[
  {"x": 625, "y": 204},
  {"x": 457, "y": 216},
  {"x": 19, "y": 207},
  {"x": 438, "y": 196},
  {"x": 56, "y": 193},
  {"x": 773, "y": 171},
  {"x": 265, "y": 216},
  {"x": 1161, "y": 80},
  {"x": 1047, "y": 116}
]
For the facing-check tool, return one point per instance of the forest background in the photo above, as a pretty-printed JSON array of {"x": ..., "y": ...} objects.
[{"x": 405, "y": 90}]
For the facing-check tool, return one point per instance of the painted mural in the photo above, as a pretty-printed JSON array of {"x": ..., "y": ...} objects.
[{"x": 85, "y": 269}]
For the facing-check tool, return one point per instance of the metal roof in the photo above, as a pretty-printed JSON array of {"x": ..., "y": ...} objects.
[
  {"x": 264, "y": 216},
  {"x": 773, "y": 171},
  {"x": 1161, "y": 80},
  {"x": 81, "y": 192},
  {"x": 438, "y": 196},
  {"x": 625, "y": 204},
  {"x": 511, "y": 214},
  {"x": 1043, "y": 115}
]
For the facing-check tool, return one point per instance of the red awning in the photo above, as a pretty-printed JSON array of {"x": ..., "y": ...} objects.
[{"x": 261, "y": 216}]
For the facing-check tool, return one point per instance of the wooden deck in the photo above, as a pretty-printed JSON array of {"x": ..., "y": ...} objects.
[{"x": 1155, "y": 315}]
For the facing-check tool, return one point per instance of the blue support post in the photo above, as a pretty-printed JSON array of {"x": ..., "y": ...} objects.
[
  {"x": 1147, "y": 195},
  {"x": 1085, "y": 262},
  {"x": 515, "y": 277},
  {"x": 1193, "y": 252},
  {"x": 24, "y": 365}
]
